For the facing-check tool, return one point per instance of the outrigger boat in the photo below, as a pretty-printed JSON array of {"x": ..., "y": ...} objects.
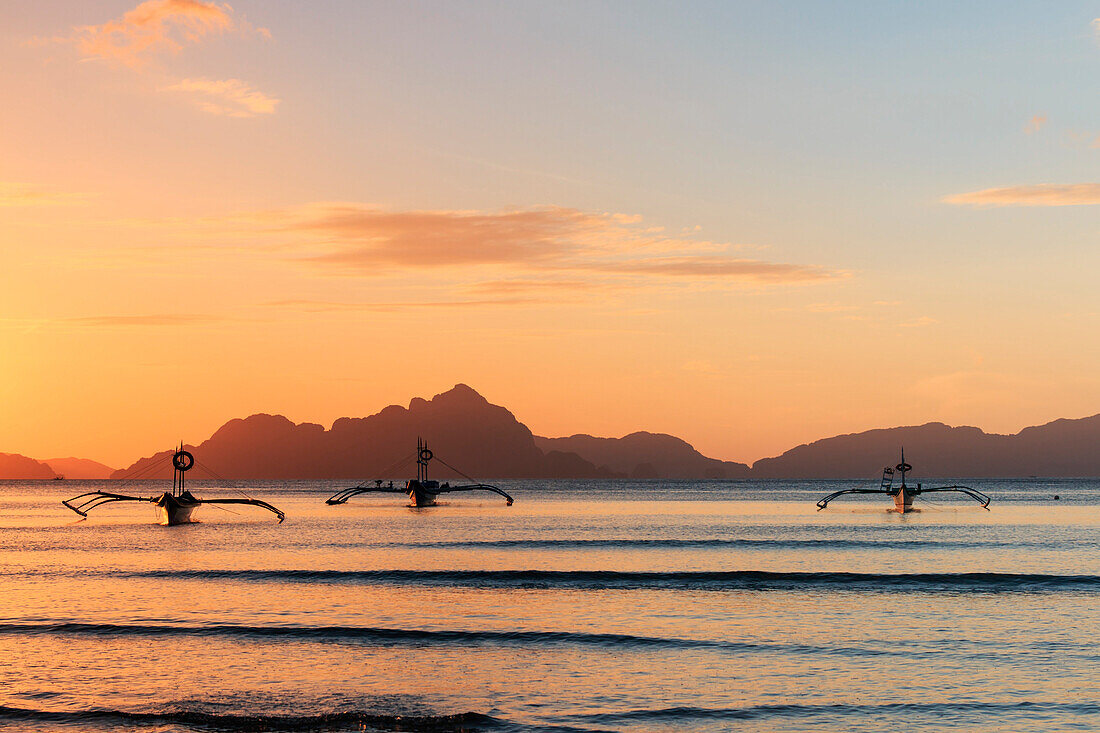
[
  {"x": 903, "y": 495},
  {"x": 421, "y": 491},
  {"x": 173, "y": 507}
]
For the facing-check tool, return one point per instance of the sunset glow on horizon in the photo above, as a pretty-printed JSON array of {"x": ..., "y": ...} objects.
[{"x": 747, "y": 225}]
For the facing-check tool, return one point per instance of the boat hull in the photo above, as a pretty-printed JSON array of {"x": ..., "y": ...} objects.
[
  {"x": 173, "y": 510},
  {"x": 419, "y": 498},
  {"x": 903, "y": 502}
]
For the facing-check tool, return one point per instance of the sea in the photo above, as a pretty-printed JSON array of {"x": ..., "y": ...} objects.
[{"x": 585, "y": 606}]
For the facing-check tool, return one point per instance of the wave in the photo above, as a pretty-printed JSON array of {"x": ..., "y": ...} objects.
[
  {"x": 391, "y": 637},
  {"x": 723, "y": 543},
  {"x": 903, "y": 709},
  {"x": 350, "y": 720},
  {"x": 822, "y": 544},
  {"x": 677, "y": 580},
  {"x": 427, "y": 637},
  {"x": 472, "y": 721}
]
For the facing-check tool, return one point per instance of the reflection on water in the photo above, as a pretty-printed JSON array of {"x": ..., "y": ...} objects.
[{"x": 586, "y": 605}]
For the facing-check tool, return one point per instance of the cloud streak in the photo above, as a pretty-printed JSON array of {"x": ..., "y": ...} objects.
[
  {"x": 166, "y": 319},
  {"x": 534, "y": 245},
  {"x": 517, "y": 287},
  {"x": 151, "y": 28},
  {"x": 1044, "y": 194},
  {"x": 158, "y": 27},
  {"x": 229, "y": 97},
  {"x": 21, "y": 194},
  {"x": 325, "y": 306},
  {"x": 368, "y": 237},
  {"x": 1035, "y": 124},
  {"x": 717, "y": 267}
]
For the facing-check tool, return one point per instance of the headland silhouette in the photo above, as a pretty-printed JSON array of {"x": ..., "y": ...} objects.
[{"x": 493, "y": 443}]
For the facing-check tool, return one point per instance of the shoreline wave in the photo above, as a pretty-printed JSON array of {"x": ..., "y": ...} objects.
[
  {"x": 201, "y": 720},
  {"x": 393, "y": 636},
  {"x": 546, "y": 639},
  {"x": 674, "y": 580},
  {"x": 758, "y": 712}
]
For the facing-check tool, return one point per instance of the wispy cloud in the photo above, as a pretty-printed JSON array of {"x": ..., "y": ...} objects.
[
  {"x": 494, "y": 293},
  {"x": 1035, "y": 124},
  {"x": 155, "y": 320},
  {"x": 524, "y": 287},
  {"x": 533, "y": 244},
  {"x": 830, "y": 308},
  {"x": 719, "y": 267},
  {"x": 22, "y": 194},
  {"x": 367, "y": 237},
  {"x": 326, "y": 306},
  {"x": 230, "y": 97},
  {"x": 164, "y": 319},
  {"x": 152, "y": 28},
  {"x": 1043, "y": 194},
  {"x": 158, "y": 27}
]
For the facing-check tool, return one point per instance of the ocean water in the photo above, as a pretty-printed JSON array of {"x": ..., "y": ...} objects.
[{"x": 586, "y": 606}]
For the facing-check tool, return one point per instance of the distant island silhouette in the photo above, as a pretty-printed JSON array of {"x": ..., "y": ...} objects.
[
  {"x": 460, "y": 426},
  {"x": 15, "y": 466},
  {"x": 487, "y": 441},
  {"x": 646, "y": 455},
  {"x": 79, "y": 468}
]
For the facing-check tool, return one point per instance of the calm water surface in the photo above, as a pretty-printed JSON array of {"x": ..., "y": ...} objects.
[{"x": 632, "y": 606}]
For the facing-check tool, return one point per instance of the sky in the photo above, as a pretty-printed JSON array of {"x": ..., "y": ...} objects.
[{"x": 748, "y": 224}]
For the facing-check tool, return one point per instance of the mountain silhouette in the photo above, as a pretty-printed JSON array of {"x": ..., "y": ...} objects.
[
  {"x": 79, "y": 468},
  {"x": 15, "y": 466},
  {"x": 1060, "y": 448},
  {"x": 462, "y": 428},
  {"x": 646, "y": 455},
  {"x": 487, "y": 441}
]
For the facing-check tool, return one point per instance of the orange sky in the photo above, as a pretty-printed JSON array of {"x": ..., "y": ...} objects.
[{"x": 728, "y": 230}]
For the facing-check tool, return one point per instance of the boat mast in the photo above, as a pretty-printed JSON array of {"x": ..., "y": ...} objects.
[
  {"x": 423, "y": 455},
  {"x": 177, "y": 474},
  {"x": 182, "y": 461},
  {"x": 903, "y": 467}
]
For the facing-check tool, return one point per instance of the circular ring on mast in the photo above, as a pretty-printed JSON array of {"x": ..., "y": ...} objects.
[
  {"x": 425, "y": 455},
  {"x": 183, "y": 460},
  {"x": 903, "y": 467}
]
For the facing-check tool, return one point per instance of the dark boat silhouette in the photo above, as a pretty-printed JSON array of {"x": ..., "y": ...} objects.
[
  {"x": 421, "y": 491},
  {"x": 903, "y": 494},
  {"x": 174, "y": 507}
]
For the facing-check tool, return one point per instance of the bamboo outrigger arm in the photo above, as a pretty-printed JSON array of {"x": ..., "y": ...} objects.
[
  {"x": 477, "y": 487},
  {"x": 972, "y": 493},
  {"x": 342, "y": 496},
  {"x": 86, "y": 502},
  {"x": 825, "y": 502},
  {"x": 250, "y": 502}
]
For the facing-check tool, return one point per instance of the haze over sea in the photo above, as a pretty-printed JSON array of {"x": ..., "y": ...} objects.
[{"x": 606, "y": 605}]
